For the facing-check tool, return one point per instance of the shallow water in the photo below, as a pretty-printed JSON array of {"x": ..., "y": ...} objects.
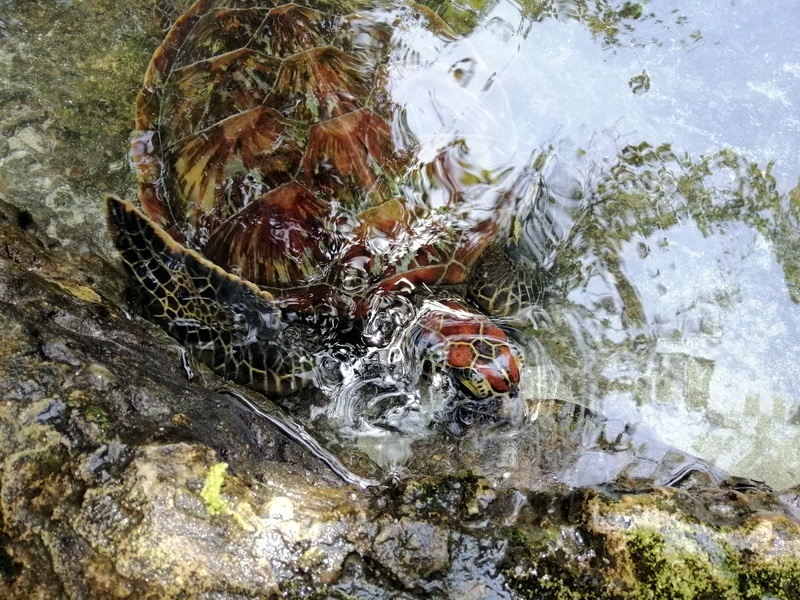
[
  {"x": 664, "y": 140},
  {"x": 680, "y": 282}
]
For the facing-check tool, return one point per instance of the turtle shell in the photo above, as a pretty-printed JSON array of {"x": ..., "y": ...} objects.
[{"x": 318, "y": 153}]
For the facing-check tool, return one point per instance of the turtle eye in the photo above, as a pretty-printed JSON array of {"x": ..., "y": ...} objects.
[
  {"x": 427, "y": 366},
  {"x": 475, "y": 376}
]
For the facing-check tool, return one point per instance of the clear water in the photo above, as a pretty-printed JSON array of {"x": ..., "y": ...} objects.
[
  {"x": 679, "y": 278},
  {"x": 665, "y": 141}
]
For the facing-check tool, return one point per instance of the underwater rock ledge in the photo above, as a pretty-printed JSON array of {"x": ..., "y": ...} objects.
[{"x": 112, "y": 485}]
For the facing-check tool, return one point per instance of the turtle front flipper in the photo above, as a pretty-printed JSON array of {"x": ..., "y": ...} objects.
[
  {"x": 503, "y": 283},
  {"x": 230, "y": 324}
]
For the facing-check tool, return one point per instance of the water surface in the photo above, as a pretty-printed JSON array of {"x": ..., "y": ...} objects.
[
  {"x": 670, "y": 154},
  {"x": 665, "y": 135}
]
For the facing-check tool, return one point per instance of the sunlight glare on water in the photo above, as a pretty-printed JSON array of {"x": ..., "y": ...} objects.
[{"x": 678, "y": 273}]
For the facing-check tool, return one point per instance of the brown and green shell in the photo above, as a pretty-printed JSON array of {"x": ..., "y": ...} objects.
[
  {"x": 267, "y": 138},
  {"x": 303, "y": 165}
]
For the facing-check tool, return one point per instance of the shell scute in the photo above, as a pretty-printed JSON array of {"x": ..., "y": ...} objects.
[
  {"x": 348, "y": 156},
  {"x": 292, "y": 28},
  {"x": 213, "y": 33},
  {"x": 279, "y": 240},
  {"x": 215, "y": 169},
  {"x": 240, "y": 80},
  {"x": 320, "y": 83}
]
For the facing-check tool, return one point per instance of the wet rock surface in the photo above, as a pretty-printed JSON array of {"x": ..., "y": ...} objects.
[
  {"x": 112, "y": 485},
  {"x": 111, "y": 476}
]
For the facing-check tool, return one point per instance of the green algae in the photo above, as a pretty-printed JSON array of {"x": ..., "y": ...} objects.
[
  {"x": 670, "y": 574},
  {"x": 212, "y": 490},
  {"x": 661, "y": 546}
]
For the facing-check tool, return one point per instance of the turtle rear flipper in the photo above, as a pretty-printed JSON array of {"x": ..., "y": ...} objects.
[{"x": 229, "y": 324}]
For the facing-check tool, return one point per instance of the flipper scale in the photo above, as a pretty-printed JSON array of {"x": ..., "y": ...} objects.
[{"x": 230, "y": 324}]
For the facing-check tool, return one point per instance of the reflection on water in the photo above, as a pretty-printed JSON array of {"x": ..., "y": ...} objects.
[
  {"x": 661, "y": 142},
  {"x": 684, "y": 306}
]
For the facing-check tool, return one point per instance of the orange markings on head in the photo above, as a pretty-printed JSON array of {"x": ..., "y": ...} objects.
[
  {"x": 493, "y": 333},
  {"x": 511, "y": 365},
  {"x": 500, "y": 368},
  {"x": 473, "y": 344},
  {"x": 495, "y": 377},
  {"x": 460, "y": 355},
  {"x": 462, "y": 329}
]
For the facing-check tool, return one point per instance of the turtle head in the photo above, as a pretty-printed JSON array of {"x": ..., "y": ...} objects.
[
  {"x": 483, "y": 367},
  {"x": 478, "y": 355}
]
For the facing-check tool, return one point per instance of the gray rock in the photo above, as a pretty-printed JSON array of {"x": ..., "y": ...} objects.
[{"x": 120, "y": 478}]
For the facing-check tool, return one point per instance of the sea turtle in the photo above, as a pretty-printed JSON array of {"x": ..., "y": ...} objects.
[{"x": 293, "y": 200}]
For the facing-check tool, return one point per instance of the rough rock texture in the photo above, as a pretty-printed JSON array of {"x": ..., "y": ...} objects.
[{"x": 111, "y": 485}]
